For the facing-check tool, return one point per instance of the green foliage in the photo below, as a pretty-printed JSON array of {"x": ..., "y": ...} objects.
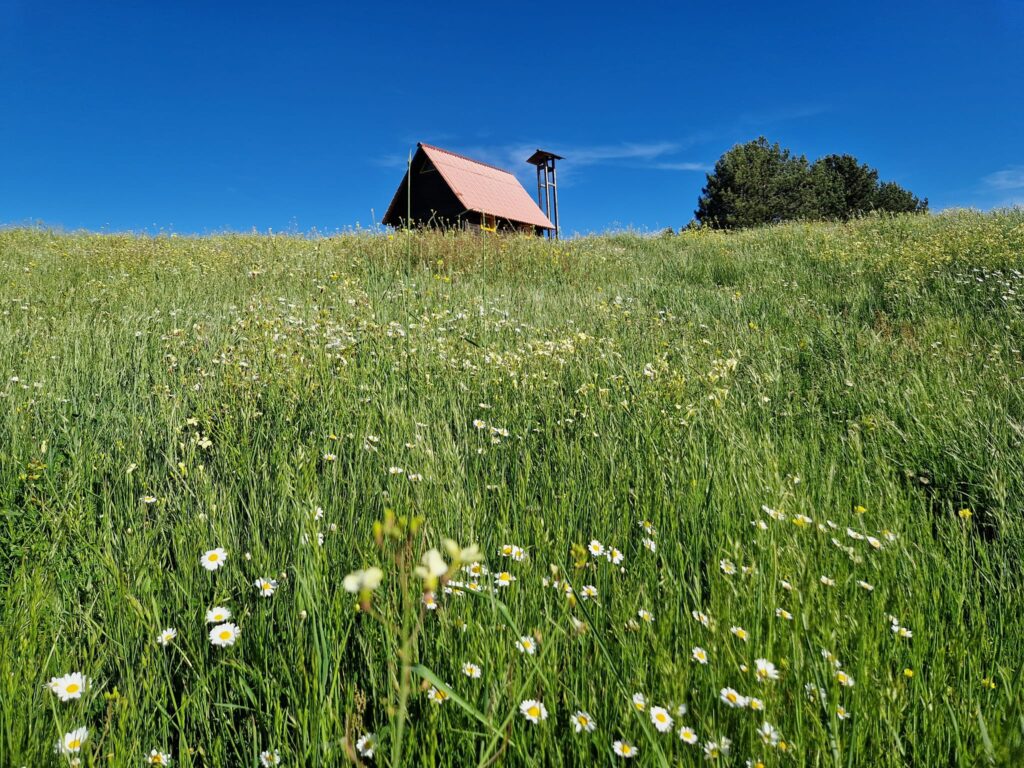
[
  {"x": 757, "y": 183},
  {"x": 163, "y": 396},
  {"x": 891, "y": 197}
]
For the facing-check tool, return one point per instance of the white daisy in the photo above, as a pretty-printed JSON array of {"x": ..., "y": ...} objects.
[
  {"x": 765, "y": 670},
  {"x": 213, "y": 559},
  {"x": 265, "y": 586},
  {"x": 582, "y": 721},
  {"x": 69, "y": 686},
  {"x": 166, "y": 637},
  {"x": 733, "y": 698},
  {"x": 217, "y": 615},
  {"x": 224, "y": 635},
  {"x": 526, "y": 644},
  {"x": 661, "y": 718},
  {"x": 366, "y": 744},
  {"x": 72, "y": 741},
  {"x": 533, "y": 710},
  {"x": 625, "y": 749}
]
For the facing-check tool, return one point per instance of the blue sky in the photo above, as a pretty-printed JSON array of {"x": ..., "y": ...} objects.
[{"x": 206, "y": 116}]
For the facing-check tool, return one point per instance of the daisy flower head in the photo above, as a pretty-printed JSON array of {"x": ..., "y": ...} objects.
[
  {"x": 699, "y": 655},
  {"x": 639, "y": 702},
  {"x": 471, "y": 670},
  {"x": 842, "y": 713},
  {"x": 224, "y": 635},
  {"x": 844, "y": 679},
  {"x": 740, "y": 633},
  {"x": 765, "y": 670},
  {"x": 625, "y": 750},
  {"x": 650, "y": 545},
  {"x": 437, "y": 696},
  {"x": 687, "y": 735},
  {"x": 827, "y": 581},
  {"x": 716, "y": 749},
  {"x": 661, "y": 719},
  {"x": 769, "y": 735},
  {"x": 645, "y": 615},
  {"x": 527, "y": 645},
  {"x": 503, "y": 579},
  {"x": 615, "y": 557},
  {"x": 367, "y": 744},
  {"x": 213, "y": 559},
  {"x": 69, "y": 686},
  {"x": 266, "y": 587},
  {"x": 783, "y": 614},
  {"x": 166, "y": 637},
  {"x": 733, "y": 698},
  {"x": 72, "y": 741},
  {"x": 755, "y": 704},
  {"x": 588, "y": 591},
  {"x": 533, "y": 710},
  {"x": 583, "y": 722},
  {"x": 701, "y": 618},
  {"x": 866, "y": 586},
  {"x": 156, "y": 757},
  {"x": 727, "y": 566},
  {"x": 269, "y": 758},
  {"x": 596, "y": 548},
  {"x": 217, "y": 615}
]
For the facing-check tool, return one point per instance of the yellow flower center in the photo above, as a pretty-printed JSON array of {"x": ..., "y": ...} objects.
[
  {"x": 72, "y": 688},
  {"x": 731, "y": 697},
  {"x": 661, "y": 717},
  {"x": 533, "y": 711},
  {"x": 213, "y": 557},
  {"x": 225, "y": 635},
  {"x": 74, "y": 744},
  {"x": 626, "y": 749}
]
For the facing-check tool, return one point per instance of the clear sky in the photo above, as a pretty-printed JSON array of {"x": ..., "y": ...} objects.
[{"x": 205, "y": 116}]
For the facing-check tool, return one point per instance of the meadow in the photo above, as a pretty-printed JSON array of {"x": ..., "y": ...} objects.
[{"x": 747, "y": 499}]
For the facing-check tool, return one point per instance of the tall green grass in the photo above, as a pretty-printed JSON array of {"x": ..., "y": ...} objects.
[{"x": 867, "y": 375}]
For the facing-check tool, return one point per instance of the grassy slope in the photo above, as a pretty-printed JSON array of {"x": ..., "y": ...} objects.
[{"x": 809, "y": 368}]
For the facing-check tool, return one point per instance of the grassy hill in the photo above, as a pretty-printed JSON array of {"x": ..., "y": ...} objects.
[{"x": 800, "y": 445}]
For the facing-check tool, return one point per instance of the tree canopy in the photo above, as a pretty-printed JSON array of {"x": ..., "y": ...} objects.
[{"x": 761, "y": 183}]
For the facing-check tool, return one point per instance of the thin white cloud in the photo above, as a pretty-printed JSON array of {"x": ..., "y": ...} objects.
[
  {"x": 682, "y": 166},
  {"x": 1008, "y": 178}
]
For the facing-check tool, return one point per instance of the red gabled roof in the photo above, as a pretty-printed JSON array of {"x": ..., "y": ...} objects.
[{"x": 486, "y": 189}]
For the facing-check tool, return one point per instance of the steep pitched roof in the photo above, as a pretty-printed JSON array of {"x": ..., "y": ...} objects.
[{"x": 486, "y": 189}]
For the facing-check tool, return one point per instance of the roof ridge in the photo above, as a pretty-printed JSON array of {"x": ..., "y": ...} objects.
[{"x": 465, "y": 157}]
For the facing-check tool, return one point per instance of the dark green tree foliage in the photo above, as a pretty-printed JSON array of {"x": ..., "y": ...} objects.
[
  {"x": 761, "y": 183},
  {"x": 755, "y": 183},
  {"x": 842, "y": 187},
  {"x": 890, "y": 196}
]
